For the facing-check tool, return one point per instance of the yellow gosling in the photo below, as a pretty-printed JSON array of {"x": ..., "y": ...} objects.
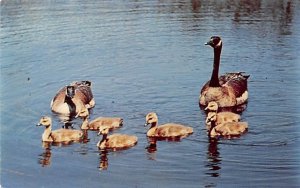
[
  {"x": 227, "y": 129},
  {"x": 169, "y": 130},
  {"x": 115, "y": 141},
  {"x": 110, "y": 122},
  {"x": 59, "y": 135},
  {"x": 222, "y": 117}
]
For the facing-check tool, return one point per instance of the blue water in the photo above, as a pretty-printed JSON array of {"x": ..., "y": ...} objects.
[{"x": 147, "y": 56}]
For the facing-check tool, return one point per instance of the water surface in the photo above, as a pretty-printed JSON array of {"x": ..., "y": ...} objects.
[{"x": 147, "y": 56}]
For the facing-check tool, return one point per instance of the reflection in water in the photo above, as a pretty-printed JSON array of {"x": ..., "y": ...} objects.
[
  {"x": 45, "y": 158},
  {"x": 103, "y": 164},
  {"x": 151, "y": 148},
  {"x": 213, "y": 158}
]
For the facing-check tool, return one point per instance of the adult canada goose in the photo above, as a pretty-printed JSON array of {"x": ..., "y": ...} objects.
[
  {"x": 115, "y": 141},
  {"x": 222, "y": 117},
  {"x": 166, "y": 131},
  {"x": 70, "y": 99},
  {"x": 59, "y": 135},
  {"x": 228, "y": 90},
  {"x": 110, "y": 122},
  {"x": 227, "y": 129}
]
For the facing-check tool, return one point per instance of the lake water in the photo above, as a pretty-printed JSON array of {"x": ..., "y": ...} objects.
[{"x": 147, "y": 56}]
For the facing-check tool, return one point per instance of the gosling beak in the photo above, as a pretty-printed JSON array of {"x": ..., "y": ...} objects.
[
  {"x": 146, "y": 124},
  {"x": 99, "y": 133},
  {"x": 39, "y": 124}
]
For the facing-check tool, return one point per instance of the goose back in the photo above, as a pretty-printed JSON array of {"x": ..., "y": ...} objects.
[{"x": 71, "y": 99}]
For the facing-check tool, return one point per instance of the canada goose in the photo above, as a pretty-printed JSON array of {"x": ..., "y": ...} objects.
[
  {"x": 227, "y": 129},
  {"x": 222, "y": 117},
  {"x": 169, "y": 130},
  {"x": 227, "y": 90},
  {"x": 59, "y": 135},
  {"x": 111, "y": 122},
  {"x": 70, "y": 99},
  {"x": 115, "y": 141}
]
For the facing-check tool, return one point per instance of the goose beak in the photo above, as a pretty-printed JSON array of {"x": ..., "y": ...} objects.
[
  {"x": 208, "y": 43},
  {"x": 146, "y": 124},
  {"x": 38, "y": 124}
]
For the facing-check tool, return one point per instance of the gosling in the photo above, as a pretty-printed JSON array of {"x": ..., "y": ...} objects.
[
  {"x": 227, "y": 129},
  {"x": 59, "y": 135},
  {"x": 115, "y": 141},
  {"x": 222, "y": 117},
  {"x": 166, "y": 131},
  {"x": 110, "y": 122}
]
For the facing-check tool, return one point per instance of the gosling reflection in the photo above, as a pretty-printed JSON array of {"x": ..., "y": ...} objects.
[
  {"x": 151, "y": 148},
  {"x": 103, "y": 165},
  {"x": 45, "y": 158},
  {"x": 213, "y": 158}
]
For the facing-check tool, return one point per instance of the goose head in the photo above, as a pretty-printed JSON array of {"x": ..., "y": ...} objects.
[
  {"x": 70, "y": 91},
  {"x": 45, "y": 121},
  {"x": 212, "y": 106},
  {"x": 215, "y": 42},
  {"x": 151, "y": 118}
]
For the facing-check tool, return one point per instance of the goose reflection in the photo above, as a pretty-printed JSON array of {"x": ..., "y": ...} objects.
[{"x": 213, "y": 158}]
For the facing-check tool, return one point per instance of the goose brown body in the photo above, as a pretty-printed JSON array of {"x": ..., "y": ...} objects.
[
  {"x": 167, "y": 130},
  {"x": 110, "y": 122},
  {"x": 227, "y": 90},
  {"x": 70, "y": 99},
  {"x": 59, "y": 135},
  {"x": 226, "y": 129},
  {"x": 115, "y": 141}
]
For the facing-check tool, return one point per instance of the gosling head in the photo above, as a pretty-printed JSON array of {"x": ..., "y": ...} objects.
[
  {"x": 84, "y": 113},
  {"x": 211, "y": 118},
  {"x": 215, "y": 42},
  {"x": 151, "y": 118},
  {"x": 212, "y": 106},
  {"x": 45, "y": 121},
  {"x": 103, "y": 130}
]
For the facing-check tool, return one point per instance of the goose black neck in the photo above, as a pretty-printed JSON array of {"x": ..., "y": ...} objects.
[
  {"x": 214, "y": 81},
  {"x": 71, "y": 105}
]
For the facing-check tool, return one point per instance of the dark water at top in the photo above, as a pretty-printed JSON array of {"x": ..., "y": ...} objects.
[{"x": 147, "y": 56}]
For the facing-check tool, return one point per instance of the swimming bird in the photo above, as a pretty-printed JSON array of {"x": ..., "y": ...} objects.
[
  {"x": 228, "y": 90},
  {"x": 59, "y": 135},
  {"x": 115, "y": 141},
  {"x": 110, "y": 122},
  {"x": 169, "y": 130},
  {"x": 222, "y": 117},
  {"x": 70, "y": 99},
  {"x": 227, "y": 129}
]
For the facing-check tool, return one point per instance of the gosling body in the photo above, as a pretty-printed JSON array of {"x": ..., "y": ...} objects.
[
  {"x": 115, "y": 141},
  {"x": 110, "y": 122},
  {"x": 59, "y": 135},
  {"x": 222, "y": 117},
  {"x": 168, "y": 130},
  {"x": 226, "y": 129}
]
